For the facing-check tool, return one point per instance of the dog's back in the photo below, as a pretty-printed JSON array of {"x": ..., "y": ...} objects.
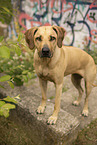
[{"x": 77, "y": 60}]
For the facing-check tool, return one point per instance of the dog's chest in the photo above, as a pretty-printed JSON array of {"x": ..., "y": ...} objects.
[{"x": 44, "y": 72}]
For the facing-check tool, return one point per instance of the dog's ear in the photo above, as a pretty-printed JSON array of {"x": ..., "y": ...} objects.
[
  {"x": 60, "y": 32},
  {"x": 29, "y": 36}
]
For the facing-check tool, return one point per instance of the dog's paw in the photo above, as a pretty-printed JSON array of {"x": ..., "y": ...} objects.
[
  {"x": 75, "y": 103},
  {"x": 85, "y": 113},
  {"x": 52, "y": 120},
  {"x": 40, "y": 109}
]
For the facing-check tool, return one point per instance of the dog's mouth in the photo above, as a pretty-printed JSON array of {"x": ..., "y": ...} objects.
[
  {"x": 45, "y": 55},
  {"x": 48, "y": 55}
]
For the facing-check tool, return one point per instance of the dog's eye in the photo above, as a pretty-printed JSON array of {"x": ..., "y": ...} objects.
[
  {"x": 39, "y": 38},
  {"x": 52, "y": 38}
]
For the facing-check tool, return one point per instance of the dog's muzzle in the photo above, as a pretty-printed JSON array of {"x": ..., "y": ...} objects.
[{"x": 45, "y": 52}]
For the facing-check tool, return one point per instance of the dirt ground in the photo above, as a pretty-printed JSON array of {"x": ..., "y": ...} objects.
[{"x": 13, "y": 134}]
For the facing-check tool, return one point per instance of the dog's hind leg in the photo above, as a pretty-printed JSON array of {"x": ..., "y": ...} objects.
[
  {"x": 89, "y": 79},
  {"x": 43, "y": 86},
  {"x": 76, "y": 80},
  {"x": 88, "y": 88}
]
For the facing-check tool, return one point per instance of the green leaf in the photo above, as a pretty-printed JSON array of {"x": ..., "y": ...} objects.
[
  {"x": 5, "y": 78},
  {"x": 8, "y": 106},
  {"x": 25, "y": 72},
  {"x": 1, "y": 111},
  {"x": 11, "y": 84},
  {"x": 6, "y": 113},
  {"x": 17, "y": 50},
  {"x": 18, "y": 81},
  {"x": 29, "y": 75},
  {"x": 4, "y": 52},
  {"x": 9, "y": 99},
  {"x": 25, "y": 78},
  {"x": 8, "y": 11},
  {"x": 2, "y": 103},
  {"x": 20, "y": 37},
  {"x": 18, "y": 97},
  {"x": 1, "y": 38},
  {"x": 1, "y": 19}
]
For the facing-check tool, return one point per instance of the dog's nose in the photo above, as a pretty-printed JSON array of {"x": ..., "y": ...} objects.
[{"x": 45, "y": 51}]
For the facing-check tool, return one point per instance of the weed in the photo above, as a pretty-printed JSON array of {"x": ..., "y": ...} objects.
[{"x": 64, "y": 89}]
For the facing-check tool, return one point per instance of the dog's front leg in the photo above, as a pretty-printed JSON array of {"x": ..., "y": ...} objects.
[
  {"x": 52, "y": 119},
  {"x": 43, "y": 86}
]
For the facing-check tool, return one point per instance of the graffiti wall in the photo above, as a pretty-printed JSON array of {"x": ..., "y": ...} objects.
[{"x": 78, "y": 17}]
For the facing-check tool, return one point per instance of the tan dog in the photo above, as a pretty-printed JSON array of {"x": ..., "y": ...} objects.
[{"x": 52, "y": 62}]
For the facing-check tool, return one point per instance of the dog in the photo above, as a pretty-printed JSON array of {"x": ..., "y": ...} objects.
[{"x": 53, "y": 61}]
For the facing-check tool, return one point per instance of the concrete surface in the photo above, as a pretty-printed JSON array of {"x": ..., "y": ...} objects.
[{"x": 69, "y": 121}]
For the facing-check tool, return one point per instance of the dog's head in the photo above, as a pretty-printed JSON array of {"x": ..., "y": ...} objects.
[{"x": 45, "y": 39}]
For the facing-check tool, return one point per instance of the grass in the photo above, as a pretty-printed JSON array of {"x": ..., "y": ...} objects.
[
  {"x": 64, "y": 89},
  {"x": 88, "y": 136},
  {"x": 93, "y": 54},
  {"x": 52, "y": 97}
]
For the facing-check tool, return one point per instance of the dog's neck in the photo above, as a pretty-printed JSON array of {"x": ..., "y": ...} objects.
[
  {"x": 45, "y": 61},
  {"x": 56, "y": 56}
]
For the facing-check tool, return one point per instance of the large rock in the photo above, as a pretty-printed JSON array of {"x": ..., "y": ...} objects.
[{"x": 64, "y": 132}]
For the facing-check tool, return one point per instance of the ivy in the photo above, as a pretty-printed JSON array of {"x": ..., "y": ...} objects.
[{"x": 6, "y": 104}]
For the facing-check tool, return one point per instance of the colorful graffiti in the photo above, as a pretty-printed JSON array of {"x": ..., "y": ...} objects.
[{"x": 78, "y": 17}]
